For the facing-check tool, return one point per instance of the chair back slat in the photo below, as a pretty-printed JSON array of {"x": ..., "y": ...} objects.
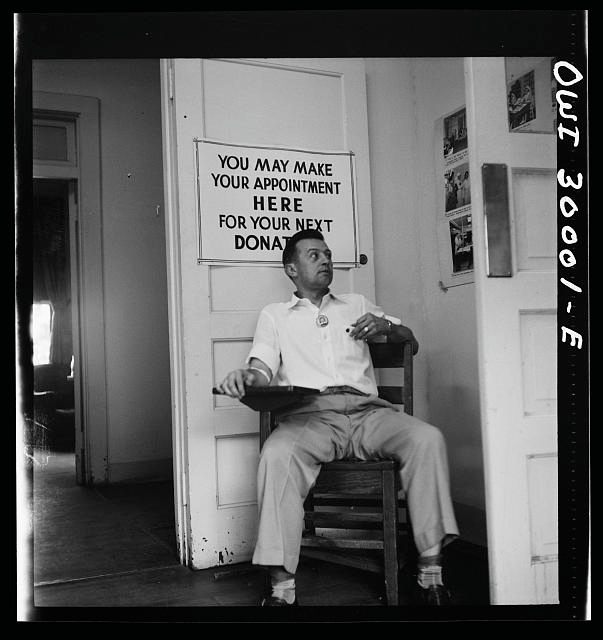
[
  {"x": 390, "y": 355},
  {"x": 387, "y": 355},
  {"x": 395, "y": 395}
]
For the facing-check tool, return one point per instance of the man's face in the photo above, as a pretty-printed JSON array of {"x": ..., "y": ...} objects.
[{"x": 313, "y": 264}]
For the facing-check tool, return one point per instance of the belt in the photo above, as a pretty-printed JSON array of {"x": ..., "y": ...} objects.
[{"x": 329, "y": 391}]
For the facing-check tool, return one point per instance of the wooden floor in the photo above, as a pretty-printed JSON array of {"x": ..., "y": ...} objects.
[{"x": 111, "y": 551}]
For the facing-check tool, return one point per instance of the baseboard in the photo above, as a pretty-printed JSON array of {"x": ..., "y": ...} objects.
[{"x": 141, "y": 471}]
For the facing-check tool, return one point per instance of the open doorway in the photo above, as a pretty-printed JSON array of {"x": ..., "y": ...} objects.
[
  {"x": 51, "y": 321},
  {"x": 79, "y": 532}
]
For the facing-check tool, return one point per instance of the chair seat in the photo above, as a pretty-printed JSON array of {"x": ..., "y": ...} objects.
[
  {"x": 350, "y": 464},
  {"x": 355, "y": 477}
]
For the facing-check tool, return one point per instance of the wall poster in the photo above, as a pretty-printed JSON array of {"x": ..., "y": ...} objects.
[
  {"x": 455, "y": 239},
  {"x": 521, "y": 103},
  {"x": 252, "y": 199},
  {"x": 530, "y": 87}
]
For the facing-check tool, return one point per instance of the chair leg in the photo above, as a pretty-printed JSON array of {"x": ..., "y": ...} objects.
[{"x": 390, "y": 536}]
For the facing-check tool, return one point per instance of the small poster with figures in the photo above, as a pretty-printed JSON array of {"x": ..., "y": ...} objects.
[
  {"x": 455, "y": 238},
  {"x": 521, "y": 102},
  {"x": 455, "y": 136}
]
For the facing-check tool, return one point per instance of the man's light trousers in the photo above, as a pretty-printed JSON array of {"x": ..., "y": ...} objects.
[{"x": 330, "y": 427}]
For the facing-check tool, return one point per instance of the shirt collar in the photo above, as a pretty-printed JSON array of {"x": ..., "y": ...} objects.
[{"x": 295, "y": 300}]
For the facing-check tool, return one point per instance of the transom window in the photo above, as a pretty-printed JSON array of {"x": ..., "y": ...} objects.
[{"x": 54, "y": 141}]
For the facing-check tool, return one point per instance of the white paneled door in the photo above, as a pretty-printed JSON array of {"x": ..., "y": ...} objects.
[
  {"x": 301, "y": 104},
  {"x": 517, "y": 336}
]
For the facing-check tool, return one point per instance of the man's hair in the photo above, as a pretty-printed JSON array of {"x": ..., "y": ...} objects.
[{"x": 289, "y": 250}]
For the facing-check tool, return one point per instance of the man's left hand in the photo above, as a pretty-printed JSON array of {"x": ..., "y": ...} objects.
[{"x": 369, "y": 326}]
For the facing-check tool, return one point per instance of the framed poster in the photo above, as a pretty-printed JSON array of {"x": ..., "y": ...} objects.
[
  {"x": 252, "y": 199},
  {"x": 454, "y": 228}
]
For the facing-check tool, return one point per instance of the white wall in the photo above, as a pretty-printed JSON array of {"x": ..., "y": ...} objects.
[
  {"x": 405, "y": 97},
  {"x": 136, "y": 326},
  {"x": 394, "y": 202}
]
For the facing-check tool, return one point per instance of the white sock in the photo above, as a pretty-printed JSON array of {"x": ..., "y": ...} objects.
[
  {"x": 429, "y": 575},
  {"x": 285, "y": 589}
]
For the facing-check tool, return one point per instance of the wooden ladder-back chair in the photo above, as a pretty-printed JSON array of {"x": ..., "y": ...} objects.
[{"x": 358, "y": 498}]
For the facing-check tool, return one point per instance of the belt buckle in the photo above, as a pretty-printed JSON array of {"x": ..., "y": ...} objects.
[{"x": 329, "y": 391}]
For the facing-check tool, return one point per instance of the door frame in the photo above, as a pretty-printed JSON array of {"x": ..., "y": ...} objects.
[
  {"x": 175, "y": 319},
  {"x": 92, "y": 463}
]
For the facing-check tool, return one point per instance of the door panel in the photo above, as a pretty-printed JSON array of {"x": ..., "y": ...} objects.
[
  {"x": 244, "y": 102},
  {"x": 309, "y": 104},
  {"x": 539, "y": 363},
  {"x": 234, "y": 488},
  {"x": 224, "y": 279},
  {"x": 517, "y": 345},
  {"x": 542, "y": 495},
  {"x": 534, "y": 199}
]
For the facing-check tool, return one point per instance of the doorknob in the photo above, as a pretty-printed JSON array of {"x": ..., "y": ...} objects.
[{"x": 363, "y": 258}]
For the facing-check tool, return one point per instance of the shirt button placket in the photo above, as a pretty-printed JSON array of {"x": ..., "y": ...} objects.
[{"x": 331, "y": 356}]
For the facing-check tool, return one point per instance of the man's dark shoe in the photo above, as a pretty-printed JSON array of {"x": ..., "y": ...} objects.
[
  {"x": 436, "y": 595},
  {"x": 271, "y": 601}
]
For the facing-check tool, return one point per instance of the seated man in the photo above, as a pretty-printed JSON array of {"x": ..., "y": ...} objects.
[{"x": 318, "y": 339}]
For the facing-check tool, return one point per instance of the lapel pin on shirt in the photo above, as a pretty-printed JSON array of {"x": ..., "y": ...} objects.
[{"x": 322, "y": 320}]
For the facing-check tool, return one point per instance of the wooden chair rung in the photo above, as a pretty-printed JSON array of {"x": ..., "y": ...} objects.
[
  {"x": 349, "y": 559},
  {"x": 352, "y": 499},
  {"x": 340, "y": 543},
  {"x": 334, "y": 520},
  {"x": 346, "y": 516}
]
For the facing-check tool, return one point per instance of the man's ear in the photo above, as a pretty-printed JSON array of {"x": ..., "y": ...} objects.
[{"x": 291, "y": 270}]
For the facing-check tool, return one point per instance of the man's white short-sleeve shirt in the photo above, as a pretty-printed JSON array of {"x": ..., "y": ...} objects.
[{"x": 300, "y": 352}]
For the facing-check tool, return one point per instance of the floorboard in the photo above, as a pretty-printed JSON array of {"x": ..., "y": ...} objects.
[{"x": 80, "y": 532}]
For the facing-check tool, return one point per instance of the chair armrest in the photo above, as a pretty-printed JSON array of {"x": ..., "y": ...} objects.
[{"x": 273, "y": 398}]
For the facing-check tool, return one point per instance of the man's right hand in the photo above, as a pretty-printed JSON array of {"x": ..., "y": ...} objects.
[{"x": 234, "y": 383}]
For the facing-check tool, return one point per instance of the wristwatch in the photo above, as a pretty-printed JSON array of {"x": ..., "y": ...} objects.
[{"x": 389, "y": 326}]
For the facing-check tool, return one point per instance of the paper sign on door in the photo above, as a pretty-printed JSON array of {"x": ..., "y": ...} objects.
[{"x": 251, "y": 200}]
